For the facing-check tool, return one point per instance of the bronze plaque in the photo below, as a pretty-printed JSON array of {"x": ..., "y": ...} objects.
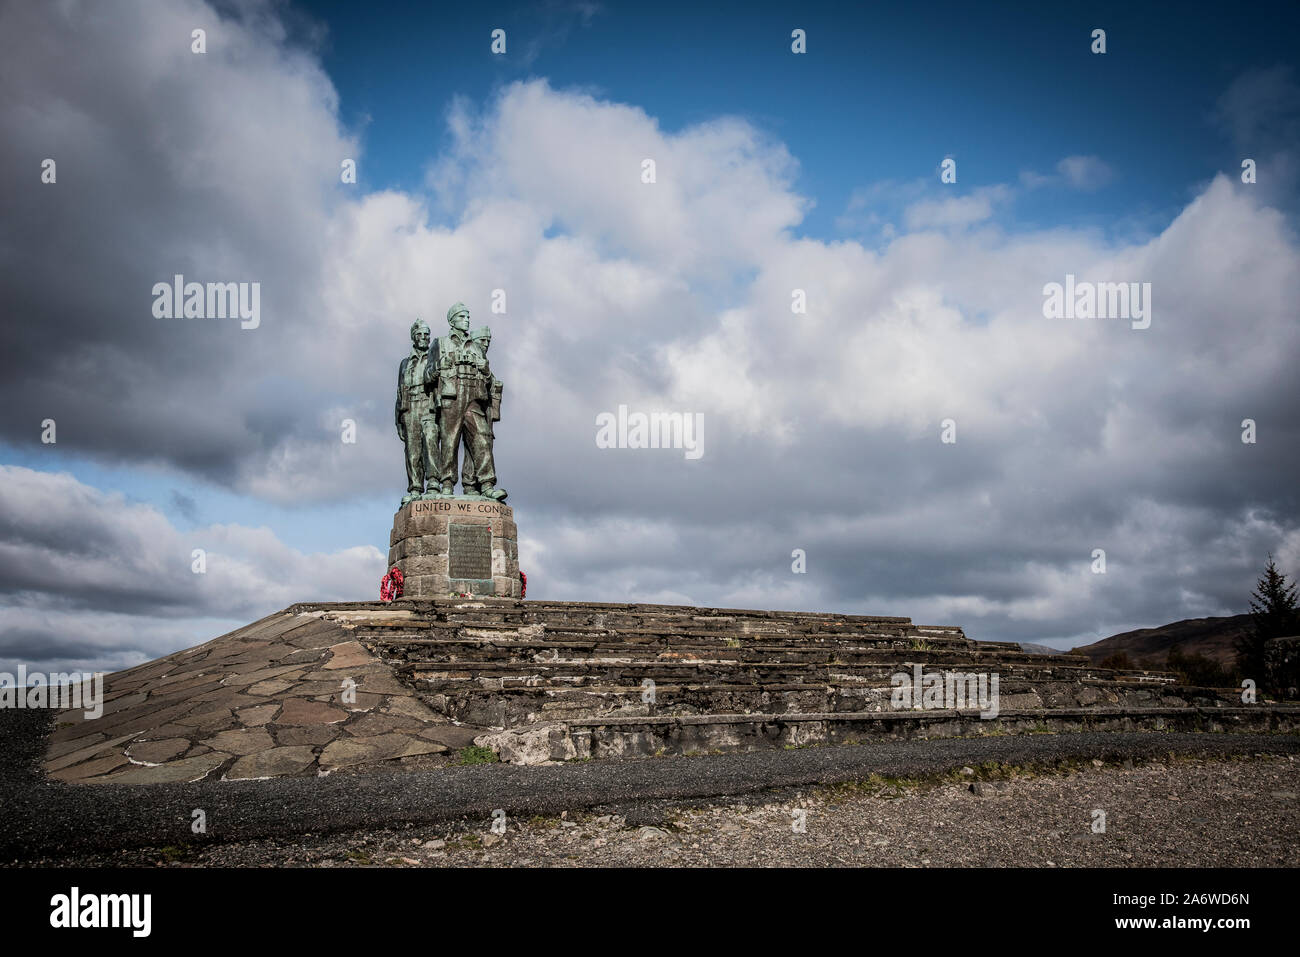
[{"x": 469, "y": 552}]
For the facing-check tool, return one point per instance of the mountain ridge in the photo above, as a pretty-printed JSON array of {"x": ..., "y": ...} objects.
[{"x": 1211, "y": 637}]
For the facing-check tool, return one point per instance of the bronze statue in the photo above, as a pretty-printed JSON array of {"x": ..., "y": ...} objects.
[
  {"x": 417, "y": 416},
  {"x": 446, "y": 397},
  {"x": 463, "y": 385},
  {"x": 482, "y": 337}
]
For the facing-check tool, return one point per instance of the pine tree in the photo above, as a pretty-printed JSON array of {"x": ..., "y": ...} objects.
[{"x": 1273, "y": 614}]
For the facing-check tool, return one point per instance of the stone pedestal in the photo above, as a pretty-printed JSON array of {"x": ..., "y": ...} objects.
[{"x": 452, "y": 545}]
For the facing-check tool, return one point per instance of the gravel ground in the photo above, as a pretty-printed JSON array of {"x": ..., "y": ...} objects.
[
  {"x": 1185, "y": 813},
  {"x": 1199, "y": 804}
]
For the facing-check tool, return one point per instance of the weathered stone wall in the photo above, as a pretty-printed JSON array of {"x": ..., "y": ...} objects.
[
  {"x": 521, "y": 666},
  {"x": 618, "y": 737},
  {"x": 456, "y": 546}
]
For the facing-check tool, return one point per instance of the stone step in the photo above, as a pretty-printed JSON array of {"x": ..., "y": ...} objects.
[
  {"x": 667, "y": 690},
  {"x": 615, "y": 641},
  {"x": 524, "y": 655},
  {"x": 514, "y": 700},
  {"x": 471, "y": 649},
  {"x": 616, "y": 736},
  {"x": 613, "y": 614},
  {"x": 431, "y": 636},
  {"x": 755, "y": 672},
  {"x": 531, "y": 658},
  {"x": 1290, "y": 712},
  {"x": 410, "y": 631},
  {"x": 539, "y": 608}
]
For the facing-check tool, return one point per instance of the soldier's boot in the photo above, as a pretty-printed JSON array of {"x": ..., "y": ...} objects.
[{"x": 495, "y": 493}]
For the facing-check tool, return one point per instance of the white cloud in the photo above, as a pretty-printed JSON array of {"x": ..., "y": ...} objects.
[
  {"x": 822, "y": 428},
  {"x": 955, "y": 212},
  {"x": 1084, "y": 172},
  {"x": 92, "y": 580},
  {"x": 1087, "y": 173}
]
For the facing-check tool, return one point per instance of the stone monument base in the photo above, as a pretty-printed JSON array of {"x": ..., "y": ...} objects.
[{"x": 457, "y": 545}]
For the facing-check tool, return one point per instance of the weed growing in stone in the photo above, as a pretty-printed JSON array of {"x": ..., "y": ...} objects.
[{"x": 475, "y": 754}]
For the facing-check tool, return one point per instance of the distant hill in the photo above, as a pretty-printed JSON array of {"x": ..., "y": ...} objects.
[
  {"x": 1211, "y": 637},
  {"x": 1039, "y": 649}
]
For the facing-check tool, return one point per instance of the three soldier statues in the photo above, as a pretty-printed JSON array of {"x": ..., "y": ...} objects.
[{"x": 448, "y": 397}]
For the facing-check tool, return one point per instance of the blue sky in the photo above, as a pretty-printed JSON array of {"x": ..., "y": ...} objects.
[{"x": 882, "y": 94}]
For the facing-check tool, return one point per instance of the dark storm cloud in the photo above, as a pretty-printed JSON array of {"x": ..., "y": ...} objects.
[
  {"x": 89, "y": 580},
  {"x": 157, "y": 175},
  {"x": 35, "y": 647}
]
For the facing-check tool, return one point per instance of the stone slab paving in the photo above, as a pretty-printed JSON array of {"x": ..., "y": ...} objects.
[{"x": 291, "y": 695}]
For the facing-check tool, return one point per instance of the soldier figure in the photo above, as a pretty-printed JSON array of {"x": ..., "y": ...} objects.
[
  {"x": 463, "y": 386},
  {"x": 417, "y": 416},
  {"x": 481, "y": 337}
]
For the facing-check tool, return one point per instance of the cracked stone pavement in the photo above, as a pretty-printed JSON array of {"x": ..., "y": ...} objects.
[{"x": 269, "y": 700}]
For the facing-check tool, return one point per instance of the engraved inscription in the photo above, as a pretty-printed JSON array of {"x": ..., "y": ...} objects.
[
  {"x": 456, "y": 507},
  {"x": 469, "y": 552}
]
